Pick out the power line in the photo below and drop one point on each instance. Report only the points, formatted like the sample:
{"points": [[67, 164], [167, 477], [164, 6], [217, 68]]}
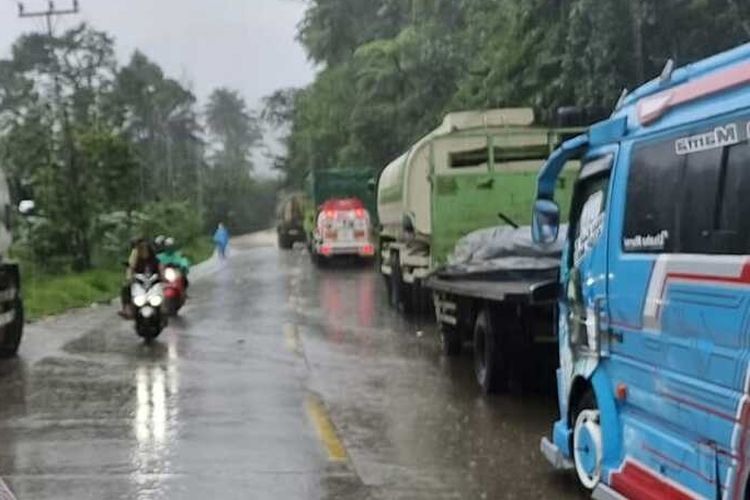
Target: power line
{"points": [[48, 14]]}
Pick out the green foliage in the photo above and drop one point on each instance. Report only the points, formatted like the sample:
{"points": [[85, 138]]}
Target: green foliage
{"points": [[110, 153], [45, 295], [391, 69], [241, 202], [177, 219]]}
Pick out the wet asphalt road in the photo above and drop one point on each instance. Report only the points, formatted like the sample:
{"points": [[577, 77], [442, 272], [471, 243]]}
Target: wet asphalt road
{"points": [[278, 381]]}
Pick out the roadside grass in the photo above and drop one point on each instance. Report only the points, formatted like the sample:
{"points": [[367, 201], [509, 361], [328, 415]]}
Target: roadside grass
{"points": [[49, 294], [45, 295]]}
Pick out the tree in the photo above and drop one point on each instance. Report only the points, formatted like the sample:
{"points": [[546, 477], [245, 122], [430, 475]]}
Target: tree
{"points": [[391, 69], [159, 116], [234, 133], [234, 130]]}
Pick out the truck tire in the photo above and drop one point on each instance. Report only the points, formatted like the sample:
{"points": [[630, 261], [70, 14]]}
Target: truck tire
{"points": [[13, 332], [490, 365], [450, 340], [400, 292], [394, 281], [285, 243]]}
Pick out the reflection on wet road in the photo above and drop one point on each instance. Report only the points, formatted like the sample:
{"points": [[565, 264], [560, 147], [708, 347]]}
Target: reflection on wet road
{"points": [[278, 381]]}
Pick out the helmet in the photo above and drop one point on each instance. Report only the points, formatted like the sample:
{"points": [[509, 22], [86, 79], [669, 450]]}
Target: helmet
{"points": [[168, 242]]}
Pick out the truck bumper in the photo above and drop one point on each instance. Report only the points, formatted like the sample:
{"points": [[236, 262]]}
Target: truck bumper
{"points": [[361, 249], [553, 455], [604, 492]]}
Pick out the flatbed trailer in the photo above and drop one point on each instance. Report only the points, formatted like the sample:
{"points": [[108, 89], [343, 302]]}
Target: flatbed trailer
{"points": [[510, 318]]}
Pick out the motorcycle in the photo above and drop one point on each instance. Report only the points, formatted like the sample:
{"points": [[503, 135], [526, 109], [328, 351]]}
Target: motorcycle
{"points": [[174, 290], [148, 297]]}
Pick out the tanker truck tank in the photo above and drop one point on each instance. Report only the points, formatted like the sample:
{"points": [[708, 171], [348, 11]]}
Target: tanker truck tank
{"points": [[456, 179]]}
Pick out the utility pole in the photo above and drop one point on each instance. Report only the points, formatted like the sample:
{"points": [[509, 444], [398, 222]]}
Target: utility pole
{"points": [[48, 14], [80, 237], [637, 9]]}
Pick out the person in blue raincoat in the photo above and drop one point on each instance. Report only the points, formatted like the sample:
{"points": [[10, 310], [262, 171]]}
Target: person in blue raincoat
{"points": [[221, 240]]}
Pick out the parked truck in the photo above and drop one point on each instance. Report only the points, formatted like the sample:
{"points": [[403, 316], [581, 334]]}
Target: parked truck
{"points": [[325, 184], [499, 293], [11, 305], [475, 170], [343, 230], [290, 219], [340, 213], [654, 331]]}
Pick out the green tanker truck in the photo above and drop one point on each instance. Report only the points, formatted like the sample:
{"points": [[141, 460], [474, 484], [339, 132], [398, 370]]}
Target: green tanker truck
{"points": [[477, 170]]}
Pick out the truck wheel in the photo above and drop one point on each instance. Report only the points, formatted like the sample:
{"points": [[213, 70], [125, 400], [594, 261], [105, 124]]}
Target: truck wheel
{"points": [[319, 261], [394, 282], [450, 340], [587, 441], [401, 294], [285, 243], [489, 364], [13, 333]]}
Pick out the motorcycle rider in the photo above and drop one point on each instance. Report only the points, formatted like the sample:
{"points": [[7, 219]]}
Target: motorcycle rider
{"points": [[170, 255], [142, 260]]}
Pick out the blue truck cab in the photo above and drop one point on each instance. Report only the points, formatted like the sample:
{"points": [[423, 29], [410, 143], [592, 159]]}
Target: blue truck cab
{"points": [[654, 310]]}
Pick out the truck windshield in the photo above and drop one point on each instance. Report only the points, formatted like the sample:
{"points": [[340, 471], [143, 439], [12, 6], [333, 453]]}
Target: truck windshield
{"points": [[664, 187]]}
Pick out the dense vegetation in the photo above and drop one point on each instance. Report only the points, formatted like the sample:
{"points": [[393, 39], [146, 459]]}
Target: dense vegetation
{"points": [[389, 69], [109, 152]]}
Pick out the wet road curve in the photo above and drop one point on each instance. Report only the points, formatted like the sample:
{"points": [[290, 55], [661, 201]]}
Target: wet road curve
{"points": [[278, 381]]}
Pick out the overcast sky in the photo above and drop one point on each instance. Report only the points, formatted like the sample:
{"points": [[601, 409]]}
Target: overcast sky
{"points": [[248, 45]]}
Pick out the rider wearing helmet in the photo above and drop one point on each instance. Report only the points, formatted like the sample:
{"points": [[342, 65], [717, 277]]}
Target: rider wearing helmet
{"points": [[159, 243], [171, 256]]}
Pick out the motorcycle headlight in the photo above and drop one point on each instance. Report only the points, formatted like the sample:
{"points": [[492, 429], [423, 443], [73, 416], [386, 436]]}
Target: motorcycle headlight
{"points": [[170, 274], [155, 300], [139, 300]]}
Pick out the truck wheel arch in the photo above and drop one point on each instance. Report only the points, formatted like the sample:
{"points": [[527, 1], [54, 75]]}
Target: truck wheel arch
{"points": [[600, 386], [580, 386]]}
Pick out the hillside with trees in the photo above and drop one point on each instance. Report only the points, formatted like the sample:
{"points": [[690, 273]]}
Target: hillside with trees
{"points": [[110, 152], [390, 69]]}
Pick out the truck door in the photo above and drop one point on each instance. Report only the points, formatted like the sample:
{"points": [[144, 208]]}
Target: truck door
{"points": [[680, 308], [585, 278]]}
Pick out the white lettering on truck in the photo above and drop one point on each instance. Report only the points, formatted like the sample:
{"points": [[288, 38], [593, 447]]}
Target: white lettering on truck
{"points": [[717, 138], [647, 242]]}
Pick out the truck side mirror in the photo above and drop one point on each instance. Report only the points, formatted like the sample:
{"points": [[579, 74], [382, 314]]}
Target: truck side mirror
{"points": [[545, 223], [26, 207]]}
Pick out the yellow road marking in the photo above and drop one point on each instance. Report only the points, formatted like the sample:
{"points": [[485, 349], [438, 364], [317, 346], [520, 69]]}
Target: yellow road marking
{"points": [[325, 429]]}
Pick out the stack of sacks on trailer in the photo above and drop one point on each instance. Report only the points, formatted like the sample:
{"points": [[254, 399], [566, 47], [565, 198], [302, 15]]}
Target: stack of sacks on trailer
{"points": [[503, 250]]}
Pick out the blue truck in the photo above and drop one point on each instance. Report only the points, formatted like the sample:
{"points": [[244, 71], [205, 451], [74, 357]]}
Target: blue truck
{"points": [[654, 308]]}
